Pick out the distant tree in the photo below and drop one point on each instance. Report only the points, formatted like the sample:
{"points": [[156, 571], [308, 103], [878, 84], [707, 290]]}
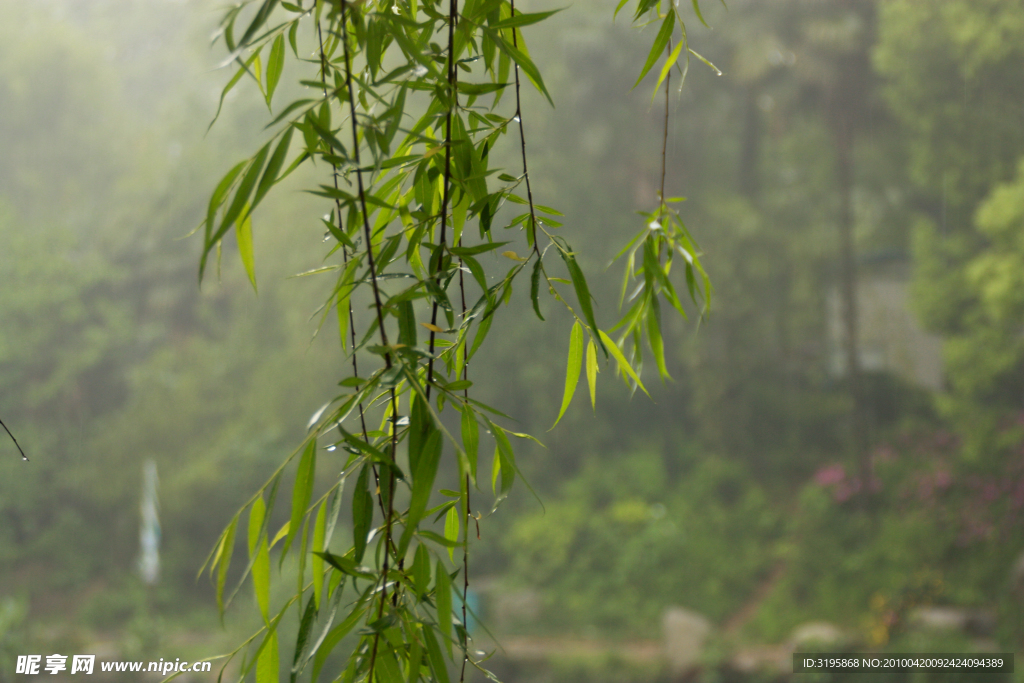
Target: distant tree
{"points": [[953, 79]]}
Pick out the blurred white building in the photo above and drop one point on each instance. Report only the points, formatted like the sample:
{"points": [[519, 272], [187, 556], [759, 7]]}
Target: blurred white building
{"points": [[891, 339]]}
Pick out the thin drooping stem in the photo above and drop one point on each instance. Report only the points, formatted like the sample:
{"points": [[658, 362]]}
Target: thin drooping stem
{"points": [[344, 249], [664, 140], [465, 576], [23, 456], [466, 513], [453, 99], [522, 143], [378, 306]]}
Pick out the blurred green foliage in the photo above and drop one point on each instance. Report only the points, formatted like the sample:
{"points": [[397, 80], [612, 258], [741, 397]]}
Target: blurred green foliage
{"points": [[623, 539]]}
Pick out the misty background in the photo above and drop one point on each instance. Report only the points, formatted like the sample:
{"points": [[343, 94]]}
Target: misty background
{"points": [[779, 493]]}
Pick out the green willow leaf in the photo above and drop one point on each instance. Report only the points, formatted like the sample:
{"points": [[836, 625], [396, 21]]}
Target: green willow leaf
{"points": [[222, 560], [270, 176], [451, 529], [257, 514], [667, 66], [443, 597], [421, 569], [302, 492], [506, 458], [592, 370], [261, 577], [243, 234], [422, 486], [334, 637], [362, 513], [572, 371], [387, 670], [579, 283], [696, 9], [268, 663], [524, 62], [522, 19], [660, 43], [470, 439], [275, 64], [437, 662], [654, 337], [317, 562], [238, 203], [219, 195], [535, 288], [302, 639], [624, 367]]}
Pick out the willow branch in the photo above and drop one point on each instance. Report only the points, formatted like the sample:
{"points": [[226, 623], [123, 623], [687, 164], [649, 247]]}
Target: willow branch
{"points": [[453, 98], [522, 143], [23, 456], [378, 306], [664, 140], [344, 249]]}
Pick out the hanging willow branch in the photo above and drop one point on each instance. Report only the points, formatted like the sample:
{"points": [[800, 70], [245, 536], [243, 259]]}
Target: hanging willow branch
{"points": [[405, 193]]}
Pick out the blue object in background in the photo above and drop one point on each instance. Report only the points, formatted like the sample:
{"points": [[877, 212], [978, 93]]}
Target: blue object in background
{"points": [[472, 608]]}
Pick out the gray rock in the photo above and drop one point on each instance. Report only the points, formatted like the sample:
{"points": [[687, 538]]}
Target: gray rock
{"points": [[816, 633], [684, 633], [978, 622]]}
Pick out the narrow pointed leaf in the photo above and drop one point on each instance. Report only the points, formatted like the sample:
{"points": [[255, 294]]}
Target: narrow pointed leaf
{"points": [[443, 598], [362, 513], [667, 66], [275, 64], [261, 577], [572, 371], [470, 440], [243, 233], [535, 288], [302, 492], [451, 529], [592, 370], [422, 486], [268, 662], [579, 283], [317, 563], [624, 365], [660, 42], [227, 547], [277, 159]]}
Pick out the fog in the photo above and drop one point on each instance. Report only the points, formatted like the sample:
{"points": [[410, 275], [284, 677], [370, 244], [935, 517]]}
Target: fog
{"points": [[836, 463]]}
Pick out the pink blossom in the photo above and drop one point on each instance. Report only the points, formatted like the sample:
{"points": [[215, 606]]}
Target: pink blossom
{"points": [[829, 475]]}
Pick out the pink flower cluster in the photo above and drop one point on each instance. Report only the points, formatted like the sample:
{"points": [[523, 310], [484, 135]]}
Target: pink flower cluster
{"points": [[843, 487]]}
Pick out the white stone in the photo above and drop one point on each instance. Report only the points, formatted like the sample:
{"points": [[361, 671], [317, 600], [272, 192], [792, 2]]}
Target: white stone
{"points": [[684, 633]]}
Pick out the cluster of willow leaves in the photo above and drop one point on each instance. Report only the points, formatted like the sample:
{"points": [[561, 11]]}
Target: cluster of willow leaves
{"points": [[403, 129]]}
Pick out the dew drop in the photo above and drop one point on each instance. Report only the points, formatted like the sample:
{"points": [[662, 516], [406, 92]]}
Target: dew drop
{"points": [[331, 448], [25, 458], [516, 119], [402, 421], [327, 236]]}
